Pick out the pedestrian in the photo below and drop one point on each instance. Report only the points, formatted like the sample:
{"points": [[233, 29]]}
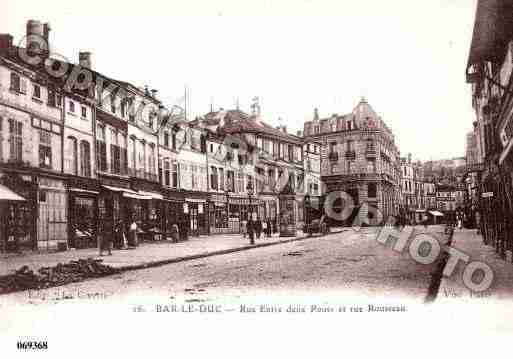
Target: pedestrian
{"points": [[118, 235], [251, 229], [258, 228], [175, 233], [269, 227], [264, 228], [478, 222], [244, 227], [133, 234], [458, 218], [106, 240]]}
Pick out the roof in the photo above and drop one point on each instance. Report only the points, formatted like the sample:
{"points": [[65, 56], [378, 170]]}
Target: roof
{"points": [[493, 28], [236, 121], [13, 54]]}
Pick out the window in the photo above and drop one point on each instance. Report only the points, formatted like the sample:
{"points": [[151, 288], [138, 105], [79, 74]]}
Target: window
{"points": [[133, 154], [230, 181], [71, 106], [101, 149], [151, 159], [167, 173], [15, 82], [37, 92], [173, 140], [350, 146], [115, 154], [166, 139], [54, 99], [85, 158], [123, 107], [332, 147], [15, 140], [84, 112], [112, 102], [123, 154], [194, 176], [221, 179], [211, 148], [72, 153], [213, 177], [240, 183], [174, 174], [372, 190], [45, 149]]}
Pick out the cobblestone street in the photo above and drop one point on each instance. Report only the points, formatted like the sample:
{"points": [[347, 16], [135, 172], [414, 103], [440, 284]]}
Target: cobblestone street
{"points": [[348, 263]]}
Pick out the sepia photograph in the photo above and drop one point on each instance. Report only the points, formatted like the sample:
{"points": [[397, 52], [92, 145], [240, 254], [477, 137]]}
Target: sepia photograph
{"points": [[256, 178]]}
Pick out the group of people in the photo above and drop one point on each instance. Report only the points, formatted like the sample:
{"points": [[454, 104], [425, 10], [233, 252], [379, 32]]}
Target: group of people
{"points": [[257, 227], [118, 238]]}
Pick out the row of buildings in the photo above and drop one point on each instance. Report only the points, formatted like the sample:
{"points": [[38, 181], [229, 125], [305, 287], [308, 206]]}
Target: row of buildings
{"points": [[490, 162], [88, 152]]}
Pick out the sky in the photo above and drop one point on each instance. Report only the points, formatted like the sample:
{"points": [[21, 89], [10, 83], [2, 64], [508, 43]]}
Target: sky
{"points": [[407, 58]]}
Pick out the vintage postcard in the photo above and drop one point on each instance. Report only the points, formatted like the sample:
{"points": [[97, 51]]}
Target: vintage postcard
{"points": [[255, 178]]}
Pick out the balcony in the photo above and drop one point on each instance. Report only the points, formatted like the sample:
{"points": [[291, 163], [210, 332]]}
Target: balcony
{"points": [[333, 156], [351, 155]]}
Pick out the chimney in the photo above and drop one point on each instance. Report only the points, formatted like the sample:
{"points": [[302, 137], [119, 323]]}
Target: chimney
{"points": [[84, 59], [35, 36], [316, 114], [46, 34], [284, 128], [154, 93], [5, 41], [299, 133], [409, 157]]}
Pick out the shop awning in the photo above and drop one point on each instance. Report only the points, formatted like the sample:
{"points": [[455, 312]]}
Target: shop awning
{"points": [[153, 195], [83, 190], [135, 196], [119, 189], [195, 200], [436, 213], [127, 192], [7, 195], [420, 210]]}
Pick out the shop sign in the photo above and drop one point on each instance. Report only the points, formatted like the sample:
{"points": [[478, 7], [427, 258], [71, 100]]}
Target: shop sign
{"points": [[185, 208], [487, 194], [200, 208]]}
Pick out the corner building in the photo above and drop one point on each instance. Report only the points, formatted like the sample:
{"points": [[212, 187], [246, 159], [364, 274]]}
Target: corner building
{"points": [[359, 156]]}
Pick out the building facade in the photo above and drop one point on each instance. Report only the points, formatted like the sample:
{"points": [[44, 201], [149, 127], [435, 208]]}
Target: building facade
{"points": [[359, 157]]}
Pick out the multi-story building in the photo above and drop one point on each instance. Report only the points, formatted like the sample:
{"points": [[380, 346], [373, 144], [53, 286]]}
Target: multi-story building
{"points": [[359, 156], [258, 159], [84, 157], [489, 69]]}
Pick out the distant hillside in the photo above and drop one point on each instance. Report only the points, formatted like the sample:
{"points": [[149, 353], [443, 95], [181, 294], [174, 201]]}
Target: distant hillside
{"points": [[448, 169]]}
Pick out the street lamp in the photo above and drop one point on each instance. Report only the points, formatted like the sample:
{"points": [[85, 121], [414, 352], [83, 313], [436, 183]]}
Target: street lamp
{"points": [[251, 232]]}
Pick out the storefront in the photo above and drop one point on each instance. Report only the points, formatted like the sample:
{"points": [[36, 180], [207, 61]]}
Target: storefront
{"points": [[83, 214], [195, 211], [218, 207], [288, 215], [14, 220], [172, 211]]}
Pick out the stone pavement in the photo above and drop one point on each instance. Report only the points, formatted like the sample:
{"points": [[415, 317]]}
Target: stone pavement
{"points": [[147, 254], [453, 288]]}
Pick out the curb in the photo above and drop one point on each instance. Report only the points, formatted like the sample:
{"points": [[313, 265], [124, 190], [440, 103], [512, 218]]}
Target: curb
{"points": [[213, 253]]}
